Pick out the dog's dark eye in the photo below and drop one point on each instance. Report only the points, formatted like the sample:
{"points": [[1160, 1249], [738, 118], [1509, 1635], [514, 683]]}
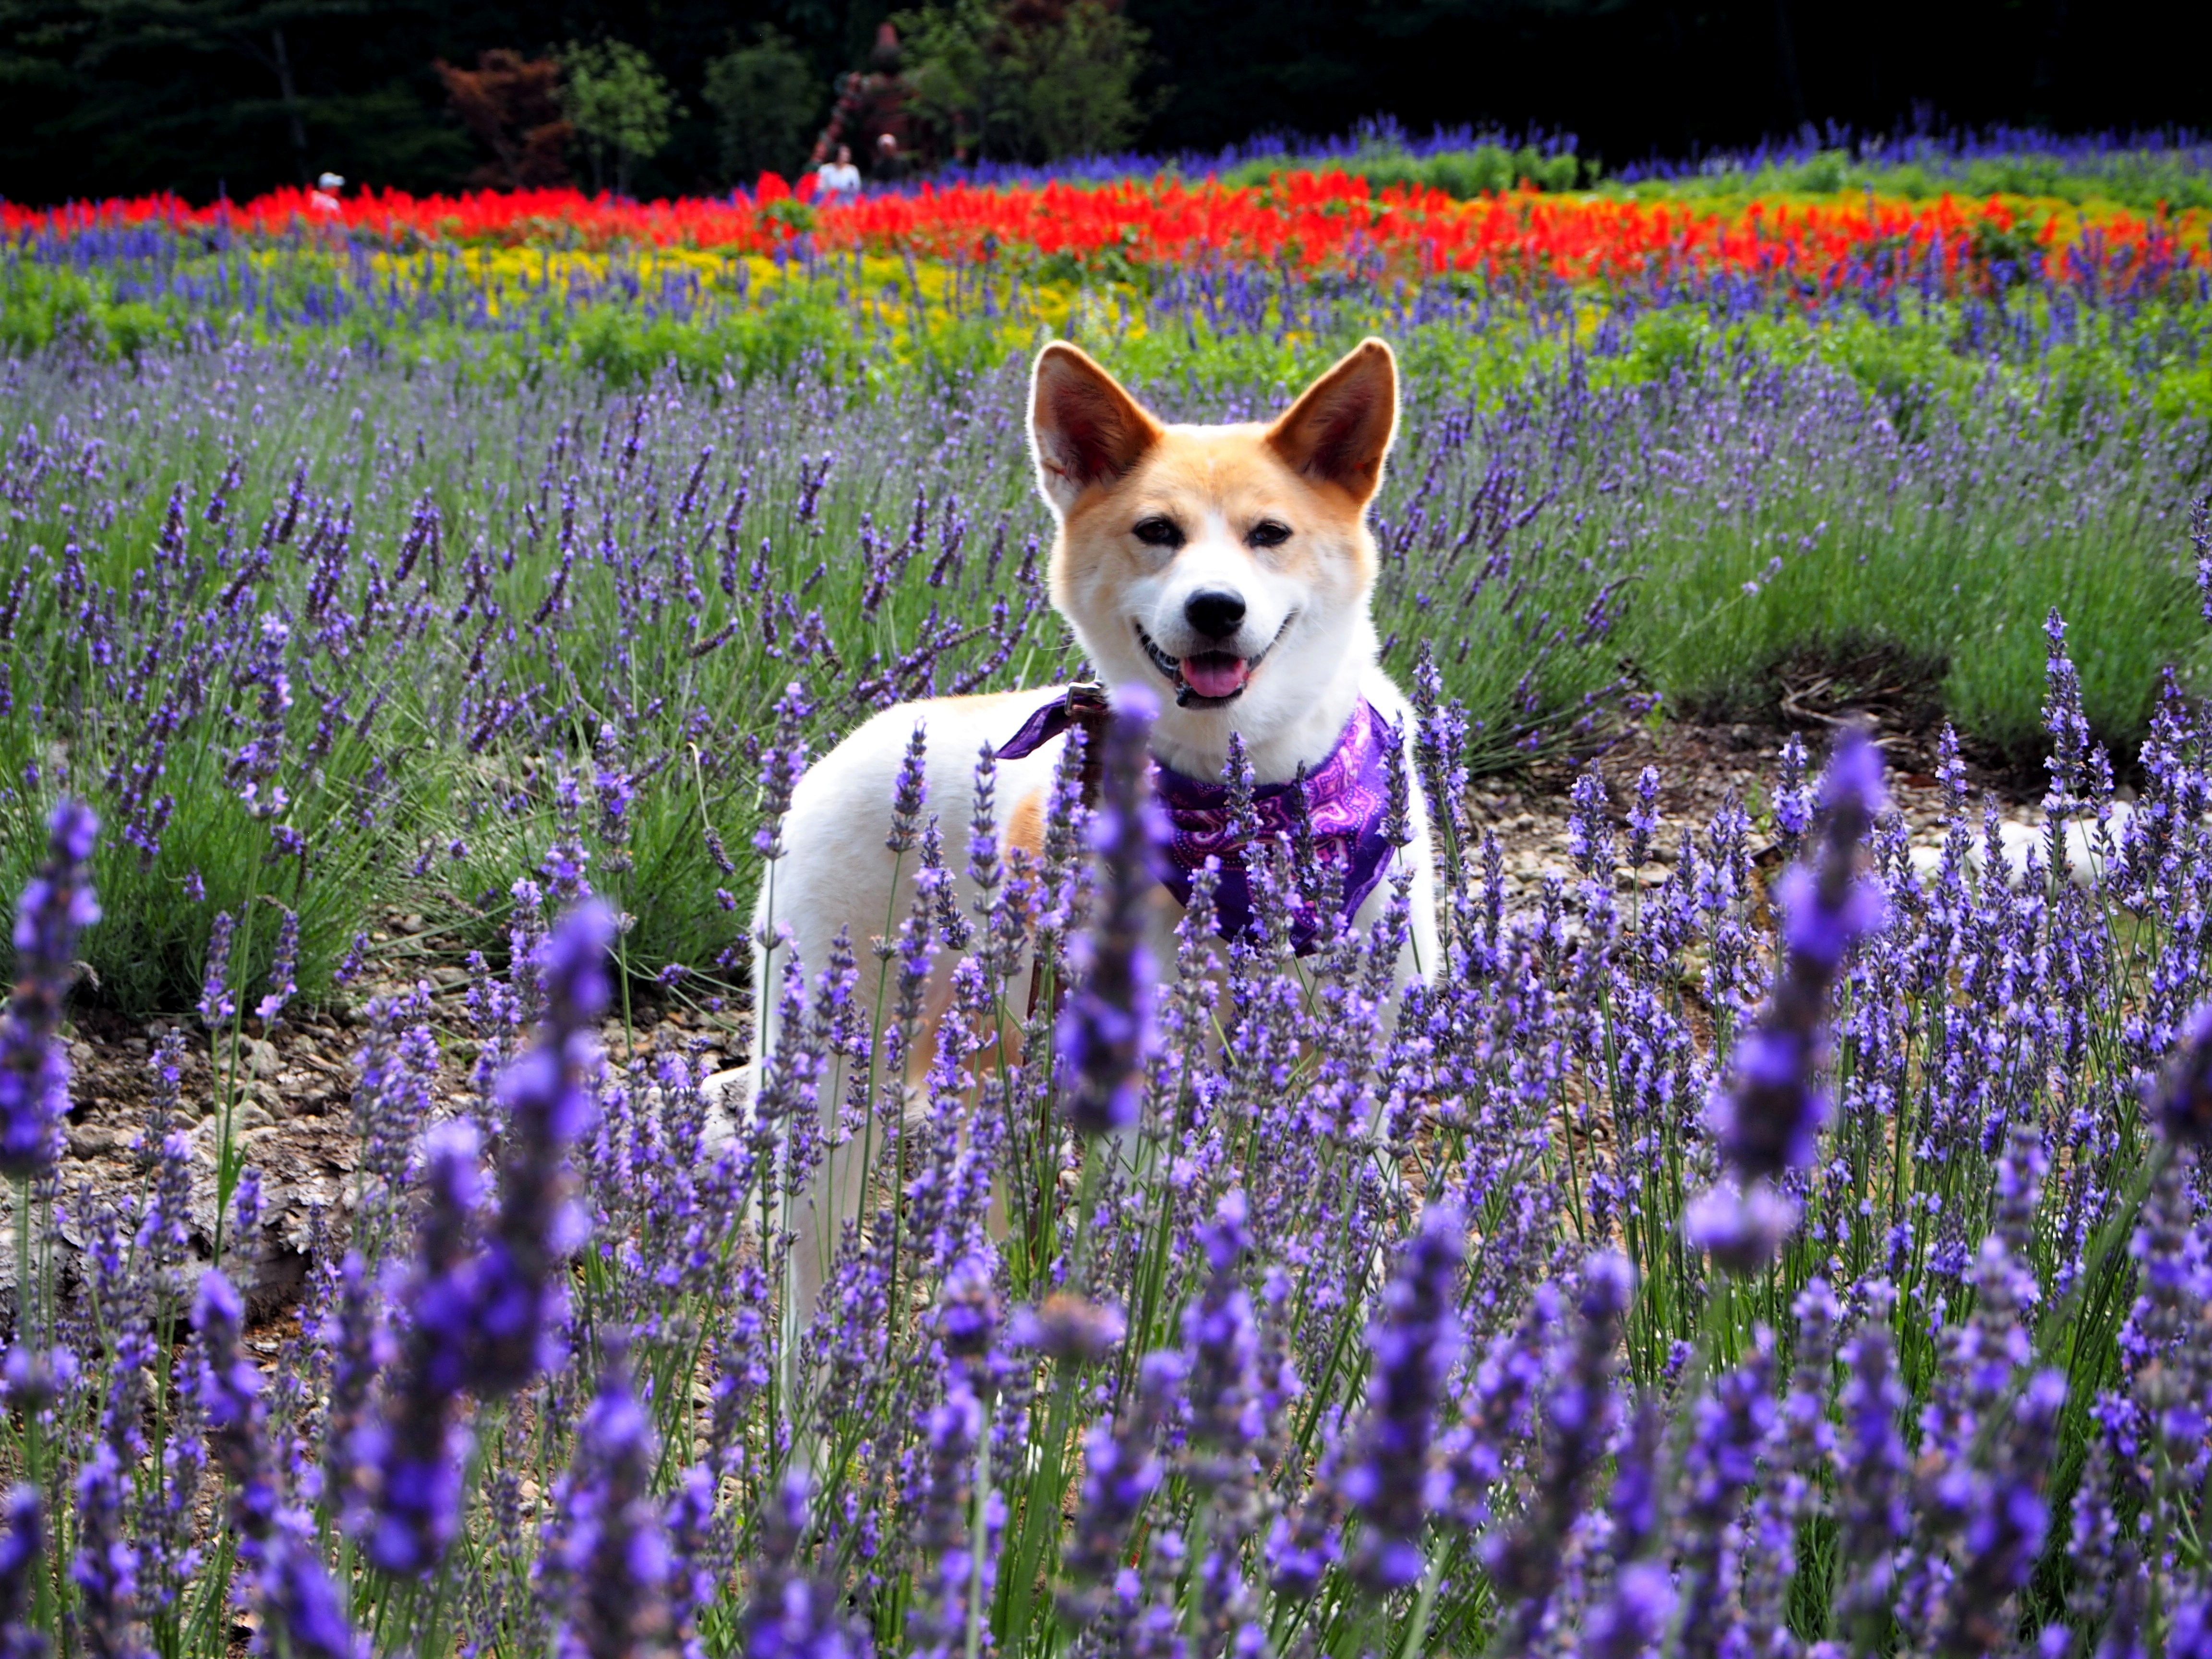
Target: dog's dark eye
{"points": [[1268, 533], [1159, 532]]}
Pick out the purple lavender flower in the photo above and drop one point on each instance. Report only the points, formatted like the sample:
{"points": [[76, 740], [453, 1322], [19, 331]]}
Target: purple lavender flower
{"points": [[34, 1074], [781, 764], [615, 1555], [1121, 1471], [218, 1005], [411, 1453], [305, 1617], [1389, 1484], [1106, 1032], [2005, 1530], [1629, 1621], [1728, 1426], [352, 1335], [1579, 1414], [282, 989], [105, 1570], [518, 1293], [1068, 1326], [1768, 1121], [22, 1557], [230, 1393], [790, 1616], [2182, 1106]]}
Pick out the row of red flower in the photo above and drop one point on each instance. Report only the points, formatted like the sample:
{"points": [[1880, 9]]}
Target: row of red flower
{"points": [[1327, 220]]}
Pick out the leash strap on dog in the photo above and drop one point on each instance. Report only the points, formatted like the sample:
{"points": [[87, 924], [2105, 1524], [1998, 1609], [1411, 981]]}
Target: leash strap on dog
{"points": [[1085, 704]]}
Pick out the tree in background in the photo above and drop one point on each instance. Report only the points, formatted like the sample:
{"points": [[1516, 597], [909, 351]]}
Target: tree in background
{"points": [[512, 105], [871, 103], [618, 104], [1023, 80], [767, 101]]}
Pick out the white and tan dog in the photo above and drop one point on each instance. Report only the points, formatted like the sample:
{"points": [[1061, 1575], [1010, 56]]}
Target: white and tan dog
{"points": [[1227, 568]]}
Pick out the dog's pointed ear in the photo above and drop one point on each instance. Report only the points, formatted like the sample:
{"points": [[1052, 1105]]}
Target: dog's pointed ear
{"points": [[1339, 429], [1085, 430]]}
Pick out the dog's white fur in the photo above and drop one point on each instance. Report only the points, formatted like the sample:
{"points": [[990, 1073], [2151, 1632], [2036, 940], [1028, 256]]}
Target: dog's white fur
{"points": [[1105, 466]]}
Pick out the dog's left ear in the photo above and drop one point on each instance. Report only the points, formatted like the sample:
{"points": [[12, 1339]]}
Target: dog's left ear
{"points": [[1340, 428]]}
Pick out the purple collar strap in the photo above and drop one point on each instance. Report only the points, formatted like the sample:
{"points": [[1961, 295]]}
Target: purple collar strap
{"points": [[1346, 798]]}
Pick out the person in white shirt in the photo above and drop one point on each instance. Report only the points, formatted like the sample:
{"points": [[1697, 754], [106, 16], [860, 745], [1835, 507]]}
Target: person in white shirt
{"points": [[324, 199], [840, 177]]}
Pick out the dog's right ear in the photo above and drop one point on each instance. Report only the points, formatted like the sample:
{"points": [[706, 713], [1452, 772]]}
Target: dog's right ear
{"points": [[1085, 430]]}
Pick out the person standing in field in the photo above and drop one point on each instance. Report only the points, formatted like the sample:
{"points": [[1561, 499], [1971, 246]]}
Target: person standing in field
{"points": [[839, 179], [323, 200]]}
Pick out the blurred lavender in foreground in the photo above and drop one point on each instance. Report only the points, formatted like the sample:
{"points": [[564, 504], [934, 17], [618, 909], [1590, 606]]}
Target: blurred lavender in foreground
{"points": [[35, 1072], [520, 1296], [1106, 1031]]}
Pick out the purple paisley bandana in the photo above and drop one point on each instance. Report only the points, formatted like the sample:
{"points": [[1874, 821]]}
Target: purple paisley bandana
{"points": [[1346, 797]]}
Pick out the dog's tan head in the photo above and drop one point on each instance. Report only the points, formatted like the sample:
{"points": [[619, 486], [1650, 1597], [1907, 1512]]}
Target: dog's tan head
{"points": [[1227, 566]]}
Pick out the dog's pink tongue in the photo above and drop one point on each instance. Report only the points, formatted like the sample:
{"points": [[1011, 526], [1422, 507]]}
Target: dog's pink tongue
{"points": [[1215, 674]]}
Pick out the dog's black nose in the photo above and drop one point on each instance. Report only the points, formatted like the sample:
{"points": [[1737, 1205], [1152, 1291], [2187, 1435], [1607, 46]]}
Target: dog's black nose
{"points": [[1215, 612]]}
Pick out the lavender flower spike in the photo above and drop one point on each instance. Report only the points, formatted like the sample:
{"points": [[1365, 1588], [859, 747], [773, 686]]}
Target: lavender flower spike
{"points": [[230, 1391], [22, 1556], [1415, 1344], [518, 1293], [617, 1553], [35, 1075], [1768, 1121], [2182, 1107], [410, 1453], [299, 1606], [1106, 1031]]}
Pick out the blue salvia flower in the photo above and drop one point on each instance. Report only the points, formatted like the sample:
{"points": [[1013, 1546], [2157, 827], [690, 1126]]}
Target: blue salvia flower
{"points": [[1768, 1121], [34, 1078], [1106, 1032], [520, 1295], [22, 1557], [1389, 1484]]}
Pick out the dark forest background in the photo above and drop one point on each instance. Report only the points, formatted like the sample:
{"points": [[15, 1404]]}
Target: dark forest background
{"points": [[106, 96]]}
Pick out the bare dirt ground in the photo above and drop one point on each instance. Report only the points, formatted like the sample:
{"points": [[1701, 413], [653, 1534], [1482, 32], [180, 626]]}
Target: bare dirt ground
{"points": [[293, 1116]]}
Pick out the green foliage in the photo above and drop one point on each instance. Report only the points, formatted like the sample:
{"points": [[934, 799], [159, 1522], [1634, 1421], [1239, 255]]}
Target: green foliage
{"points": [[2145, 179], [768, 101], [619, 104], [995, 80], [1461, 174]]}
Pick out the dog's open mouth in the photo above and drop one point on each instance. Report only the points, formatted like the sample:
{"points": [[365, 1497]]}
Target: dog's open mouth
{"points": [[1206, 679]]}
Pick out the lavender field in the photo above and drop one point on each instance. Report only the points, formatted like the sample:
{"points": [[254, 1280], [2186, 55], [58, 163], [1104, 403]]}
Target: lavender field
{"points": [[1766, 1242]]}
